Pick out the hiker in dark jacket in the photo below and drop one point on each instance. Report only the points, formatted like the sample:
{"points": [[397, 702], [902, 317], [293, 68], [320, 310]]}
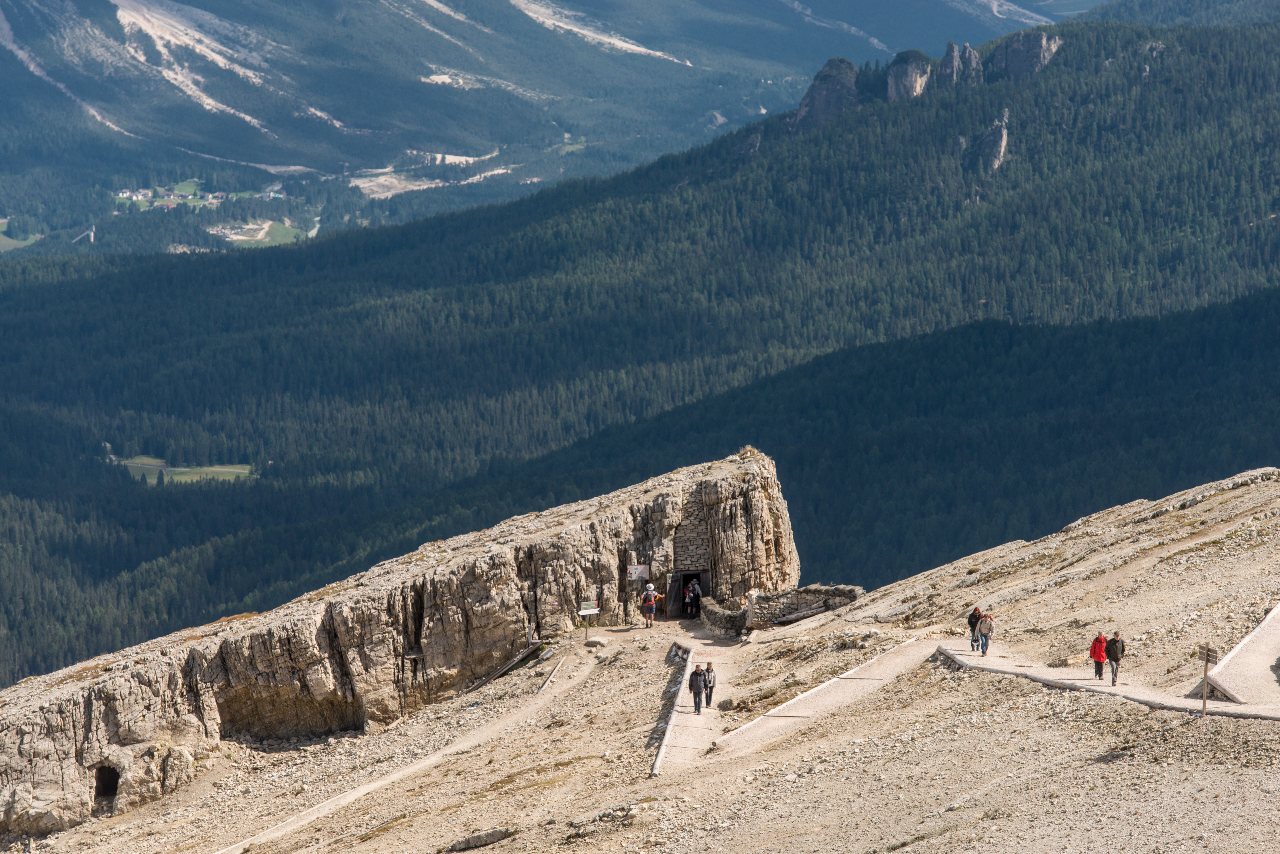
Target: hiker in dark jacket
{"points": [[695, 598], [1098, 654], [974, 616], [709, 682], [1115, 652], [697, 684]]}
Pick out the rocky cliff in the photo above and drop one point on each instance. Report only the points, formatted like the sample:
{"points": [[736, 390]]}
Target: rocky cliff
{"points": [[126, 728], [1024, 54], [833, 93], [990, 149], [959, 66], [835, 89], [908, 75]]}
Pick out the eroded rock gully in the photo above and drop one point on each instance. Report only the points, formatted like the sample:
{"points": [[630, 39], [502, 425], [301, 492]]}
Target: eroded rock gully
{"points": [[126, 728]]}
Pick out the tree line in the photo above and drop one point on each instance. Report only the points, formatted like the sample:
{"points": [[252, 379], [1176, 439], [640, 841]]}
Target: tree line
{"points": [[401, 383]]}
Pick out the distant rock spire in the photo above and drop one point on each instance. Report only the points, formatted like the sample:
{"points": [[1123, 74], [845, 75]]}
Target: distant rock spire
{"points": [[1024, 54], [990, 149], [833, 93], [959, 66], [909, 75]]}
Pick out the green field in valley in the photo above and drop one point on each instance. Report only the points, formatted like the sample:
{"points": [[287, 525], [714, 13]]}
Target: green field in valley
{"points": [[278, 234], [7, 244], [148, 469]]}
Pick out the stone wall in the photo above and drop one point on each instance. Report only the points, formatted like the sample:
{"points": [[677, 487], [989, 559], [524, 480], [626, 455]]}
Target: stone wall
{"points": [[375, 646], [767, 606], [726, 623]]}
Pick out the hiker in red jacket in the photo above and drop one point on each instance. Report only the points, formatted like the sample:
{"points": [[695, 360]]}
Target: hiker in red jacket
{"points": [[1098, 652]]}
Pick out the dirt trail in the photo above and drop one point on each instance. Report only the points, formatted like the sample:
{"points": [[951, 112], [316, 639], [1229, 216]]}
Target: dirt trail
{"points": [[690, 735], [1247, 674], [828, 697], [1071, 679], [465, 743]]}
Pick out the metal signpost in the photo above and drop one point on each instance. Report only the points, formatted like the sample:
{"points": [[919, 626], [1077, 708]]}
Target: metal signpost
{"points": [[1209, 655], [586, 608]]}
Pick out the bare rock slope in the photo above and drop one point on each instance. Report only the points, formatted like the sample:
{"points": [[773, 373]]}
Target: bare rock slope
{"points": [[126, 728]]}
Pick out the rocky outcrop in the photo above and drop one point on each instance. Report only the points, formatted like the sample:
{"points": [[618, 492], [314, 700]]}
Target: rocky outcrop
{"points": [[908, 75], [764, 608], [959, 66], [833, 93], [1024, 54], [989, 151], [126, 728]]}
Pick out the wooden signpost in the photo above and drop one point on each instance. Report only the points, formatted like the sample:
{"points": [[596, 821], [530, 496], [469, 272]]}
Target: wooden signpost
{"points": [[1208, 655], [586, 608]]}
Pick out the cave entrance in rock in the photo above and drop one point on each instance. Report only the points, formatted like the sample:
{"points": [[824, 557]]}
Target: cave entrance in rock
{"points": [[675, 594], [106, 783]]}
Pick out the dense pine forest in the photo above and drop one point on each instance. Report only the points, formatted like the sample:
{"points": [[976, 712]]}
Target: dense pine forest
{"points": [[398, 384]]}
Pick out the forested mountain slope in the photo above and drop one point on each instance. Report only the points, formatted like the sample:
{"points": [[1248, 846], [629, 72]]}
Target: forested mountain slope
{"points": [[363, 375], [401, 95], [894, 458], [1215, 13]]}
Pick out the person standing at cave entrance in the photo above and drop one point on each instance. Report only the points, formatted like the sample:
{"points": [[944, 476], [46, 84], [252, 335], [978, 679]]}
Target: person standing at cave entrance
{"points": [[697, 686], [648, 605], [974, 616], [1098, 654], [695, 598], [986, 628], [1115, 652], [688, 599], [709, 682]]}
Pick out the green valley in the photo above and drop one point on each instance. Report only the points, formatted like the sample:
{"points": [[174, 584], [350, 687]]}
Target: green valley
{"points": [[919, 337]]}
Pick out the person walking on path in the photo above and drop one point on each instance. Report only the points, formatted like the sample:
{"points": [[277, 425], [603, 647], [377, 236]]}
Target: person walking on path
{"points": [[648, 605], [986, 628], [1098, 654], [974, 616], [709, 682], [1115, 652], [698, 685]]}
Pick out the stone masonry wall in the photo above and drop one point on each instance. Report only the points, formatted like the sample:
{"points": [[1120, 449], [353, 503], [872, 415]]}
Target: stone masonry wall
{"points": [[375, 646], [723, 622], [765, 607]]}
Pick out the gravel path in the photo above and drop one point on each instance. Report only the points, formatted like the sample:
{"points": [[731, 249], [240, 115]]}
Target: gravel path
{"points": [[833, 695], [690, 735], [1073, 680], [1248, 673]]}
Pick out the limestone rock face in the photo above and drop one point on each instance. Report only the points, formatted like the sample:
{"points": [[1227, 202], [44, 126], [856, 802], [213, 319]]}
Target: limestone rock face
{"points": [[909, 75], [959, 67], [833, 93], [1024, 54], [991, 148], [123, 729]]}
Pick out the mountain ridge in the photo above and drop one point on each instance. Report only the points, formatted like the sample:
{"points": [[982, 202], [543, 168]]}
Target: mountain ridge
{"points": [[361, 377], [453, 98]]}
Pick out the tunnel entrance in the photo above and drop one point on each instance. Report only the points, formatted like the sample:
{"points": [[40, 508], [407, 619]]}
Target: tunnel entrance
{"points": [[106, 783], [675, 595]]}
